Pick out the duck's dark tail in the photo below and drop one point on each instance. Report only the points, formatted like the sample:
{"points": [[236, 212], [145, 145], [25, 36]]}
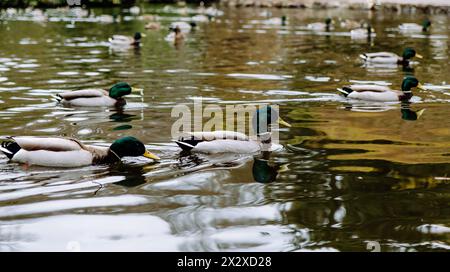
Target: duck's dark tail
{"points": [[345, 91], [187, 144], [57, 97], [9, 148]]}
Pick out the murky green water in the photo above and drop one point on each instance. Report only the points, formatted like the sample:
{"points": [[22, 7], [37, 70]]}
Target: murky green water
{"points": [[350, 172]]}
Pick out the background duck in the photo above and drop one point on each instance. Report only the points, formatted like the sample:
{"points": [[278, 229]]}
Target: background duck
{"points": [[382, 93], [231, 141], [122, 40], [413, 27], [97, 97], [68, 152], [326, 26], [391, 58], [175, 36], [364, 32]]}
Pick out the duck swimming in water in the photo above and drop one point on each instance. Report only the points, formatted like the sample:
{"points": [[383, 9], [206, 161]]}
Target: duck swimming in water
{"points": [[391, 58], [234, 142], [68, 152], [122, 40], [97, 97], [382, 93]]}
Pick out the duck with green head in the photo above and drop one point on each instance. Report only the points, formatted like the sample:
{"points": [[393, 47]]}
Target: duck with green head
{"points": [[68, 152], [97, 97], [391, 58], [235, 142], [122, 40], [413, 27], [382, 93], [365, 31]]}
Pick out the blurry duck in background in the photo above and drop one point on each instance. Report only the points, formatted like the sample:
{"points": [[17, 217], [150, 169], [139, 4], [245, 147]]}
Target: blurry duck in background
{"points": [[68, 152], [122, 40], [326, 26], [412, 27], [363, 32], [391, 58], [235, 142], [153, 25], [276, 21], [382, 93], [97, 97], [350, 24]]}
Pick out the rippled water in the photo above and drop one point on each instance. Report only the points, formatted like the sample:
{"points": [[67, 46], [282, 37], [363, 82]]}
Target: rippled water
{"points": [[350, 172]]}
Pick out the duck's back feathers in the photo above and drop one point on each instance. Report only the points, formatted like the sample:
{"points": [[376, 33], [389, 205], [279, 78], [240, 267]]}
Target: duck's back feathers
{"points": [[380, 57], [83, 94], [56, 144], [370, 93], [218, 142]]}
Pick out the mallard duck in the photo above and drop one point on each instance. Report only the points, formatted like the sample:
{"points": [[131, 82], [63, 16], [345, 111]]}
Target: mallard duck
{"points": [[363, 32], [412, 27], [68, 152], [391, 58], [231, 141], [97, 97], [276, 21], [122, 40], [382, 93], [326, 26]]}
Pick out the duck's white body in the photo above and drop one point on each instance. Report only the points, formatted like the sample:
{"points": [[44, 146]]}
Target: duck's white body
{"points": [[121, 40], [88, 98], [318, 27], [410, 27], [200, 18], [183, 26], [372, 93], [274, 21], [361, 33], [222, 142], [54, 152], [381, 57]]}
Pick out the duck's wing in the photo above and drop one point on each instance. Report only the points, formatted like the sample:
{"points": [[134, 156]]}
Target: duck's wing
{"points": [[56, 144], [192, 139], [82, 94], [368, 87], [379, 56]]}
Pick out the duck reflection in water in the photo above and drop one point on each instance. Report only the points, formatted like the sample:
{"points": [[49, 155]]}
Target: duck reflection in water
{"points": [[121, 117], [408, 114], [265, 171]]}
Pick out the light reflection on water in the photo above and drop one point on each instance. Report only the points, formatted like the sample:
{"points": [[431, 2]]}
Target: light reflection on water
{"points": [[350, 172]]}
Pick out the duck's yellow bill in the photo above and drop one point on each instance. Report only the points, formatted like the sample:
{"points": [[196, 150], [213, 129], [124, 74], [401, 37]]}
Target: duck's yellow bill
{"points": [[421, 87], [282, 122], [150, 155], [419, 56], [419, 113]]}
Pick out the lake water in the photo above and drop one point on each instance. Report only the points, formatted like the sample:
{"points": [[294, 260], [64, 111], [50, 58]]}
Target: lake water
{"points": [[350, 173]]}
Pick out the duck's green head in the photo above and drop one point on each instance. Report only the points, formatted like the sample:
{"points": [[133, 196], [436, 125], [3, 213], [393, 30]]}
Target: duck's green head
{"points": [[137, 36], [410, 53], [283, 19], [130, 147], [410, 115], [264, 117], [120, 89], [328, 21], [411, 82], [426, 24]]}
